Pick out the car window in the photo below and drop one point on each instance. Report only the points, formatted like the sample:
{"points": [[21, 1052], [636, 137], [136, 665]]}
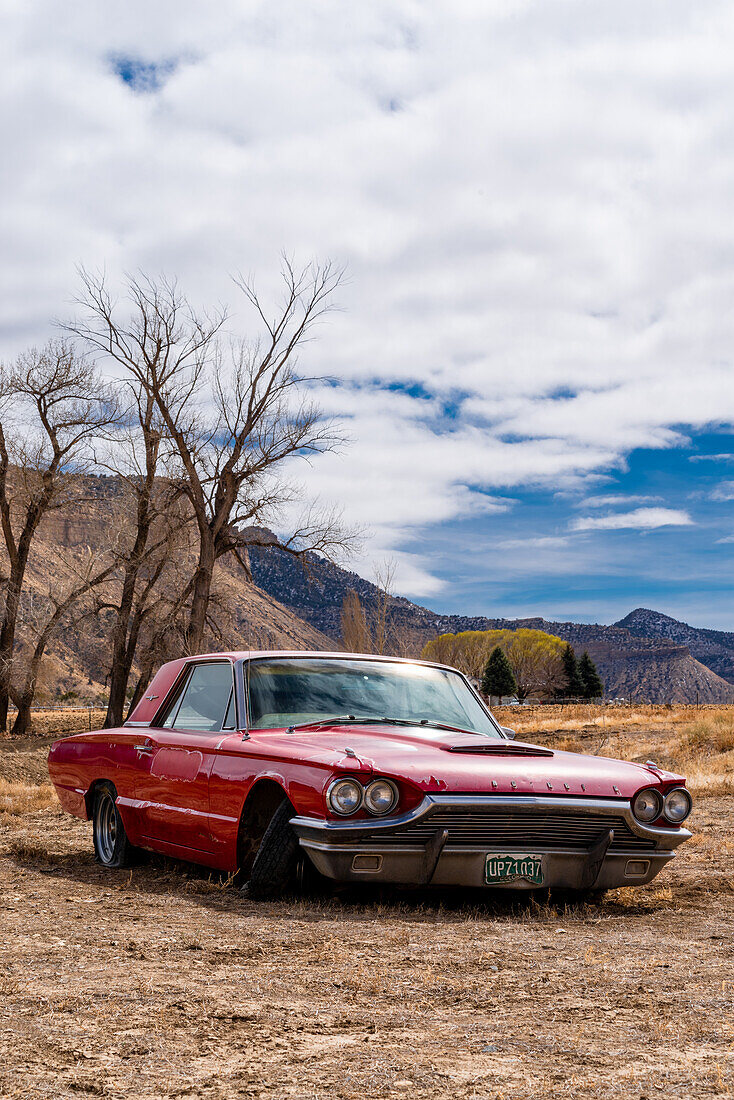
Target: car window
{"points": [[289, 690], [204, 699], [230, 718]]}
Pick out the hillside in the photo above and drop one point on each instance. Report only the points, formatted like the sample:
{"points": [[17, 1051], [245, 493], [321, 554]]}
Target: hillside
{"points": [[244, 616], [645, 656], [633, 664], [714, 648]]}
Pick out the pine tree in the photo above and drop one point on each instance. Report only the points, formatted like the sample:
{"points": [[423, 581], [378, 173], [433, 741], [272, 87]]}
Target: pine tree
{"points": [[574, 686], [593, 686], [498, 678]]}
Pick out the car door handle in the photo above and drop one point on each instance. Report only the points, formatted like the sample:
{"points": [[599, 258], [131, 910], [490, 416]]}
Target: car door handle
{"points": [[148, 747]]}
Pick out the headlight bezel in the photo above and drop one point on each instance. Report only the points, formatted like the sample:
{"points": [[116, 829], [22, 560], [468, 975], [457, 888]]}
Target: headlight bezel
{"points": [[395, 792], [658, 800], [677, 791], [339, 781]]}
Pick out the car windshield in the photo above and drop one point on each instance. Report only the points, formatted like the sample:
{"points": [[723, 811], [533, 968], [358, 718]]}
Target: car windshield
{"points": [[290, 691]]}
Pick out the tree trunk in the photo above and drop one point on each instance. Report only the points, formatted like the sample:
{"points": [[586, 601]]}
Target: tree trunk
{"points": [[119, 679], [200, 597], [143, 680], [22, 723], [122, 656], [7, 642], [7, 631]]}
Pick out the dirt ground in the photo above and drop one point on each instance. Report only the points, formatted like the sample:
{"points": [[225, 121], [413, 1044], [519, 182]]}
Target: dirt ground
{"points": [[165, 982]]}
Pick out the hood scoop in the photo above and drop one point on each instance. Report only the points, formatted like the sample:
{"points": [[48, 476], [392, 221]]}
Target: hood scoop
{"points": [[499, 748]]}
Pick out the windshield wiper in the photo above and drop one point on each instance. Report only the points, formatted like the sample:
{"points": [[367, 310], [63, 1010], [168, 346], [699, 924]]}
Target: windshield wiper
{"points": [[350, 719], [445, 726], [320, 722], [371, 719]]}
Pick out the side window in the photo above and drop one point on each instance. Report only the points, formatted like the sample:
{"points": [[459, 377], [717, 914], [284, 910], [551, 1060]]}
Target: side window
{"points": [[204, 700], [230, 718]]}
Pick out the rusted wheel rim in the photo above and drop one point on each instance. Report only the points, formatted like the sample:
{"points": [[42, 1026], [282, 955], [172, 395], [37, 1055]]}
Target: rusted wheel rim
{"points": [[106, 828]]}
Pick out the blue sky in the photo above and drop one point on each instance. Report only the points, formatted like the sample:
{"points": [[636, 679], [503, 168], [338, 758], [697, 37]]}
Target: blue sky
{"points": [[531, 560], [533, 202]]}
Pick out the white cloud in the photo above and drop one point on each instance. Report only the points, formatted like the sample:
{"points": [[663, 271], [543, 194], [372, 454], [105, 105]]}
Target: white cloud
{"points": [[724, 491], [614, 499], [543, 542], [535, 209], [638, 518]]}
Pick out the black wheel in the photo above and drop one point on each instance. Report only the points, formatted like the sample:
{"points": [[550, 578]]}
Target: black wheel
{"points": [[111, 846], [275, 867]]}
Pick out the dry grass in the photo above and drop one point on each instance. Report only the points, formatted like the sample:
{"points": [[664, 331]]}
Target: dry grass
{"points": [[585, 716], [63, 722], [163, 981], [25, 798], [161, 984], [696, 742]]}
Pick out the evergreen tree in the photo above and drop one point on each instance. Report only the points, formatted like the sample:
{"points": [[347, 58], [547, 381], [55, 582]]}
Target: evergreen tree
{"points": [[498, 678], [592, 682], [574, 686]]}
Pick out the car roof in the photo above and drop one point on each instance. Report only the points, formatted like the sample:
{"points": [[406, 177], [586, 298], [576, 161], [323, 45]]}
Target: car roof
{"points": [[169, 673], [252, 654]]}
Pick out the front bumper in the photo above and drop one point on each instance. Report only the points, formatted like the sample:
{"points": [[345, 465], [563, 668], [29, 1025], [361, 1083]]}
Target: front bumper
{"points": [[436, 844]]}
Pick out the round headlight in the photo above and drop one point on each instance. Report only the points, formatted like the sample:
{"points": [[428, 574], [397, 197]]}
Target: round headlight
{"points": [[677, 806], [647, 806], [381, 796], [345, 796]]}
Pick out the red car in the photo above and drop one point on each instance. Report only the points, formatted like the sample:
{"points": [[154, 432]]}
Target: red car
{"points": [[371, 768]]}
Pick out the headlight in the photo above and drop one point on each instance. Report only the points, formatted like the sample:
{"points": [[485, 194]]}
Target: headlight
{"points": [[647, 806], [381, 796], [677, 806], [345, 796]]}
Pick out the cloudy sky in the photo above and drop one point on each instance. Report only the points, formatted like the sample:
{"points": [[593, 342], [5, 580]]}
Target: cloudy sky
{"points": [[535, 204]]}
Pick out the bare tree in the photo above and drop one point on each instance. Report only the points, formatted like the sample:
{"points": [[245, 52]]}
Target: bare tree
{"points": [[151, 542], [384, 576], [91, 572], [236, 413], [51, 404], [373, 629], [356, 634]]}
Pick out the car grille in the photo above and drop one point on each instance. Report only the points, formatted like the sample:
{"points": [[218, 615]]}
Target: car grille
{"points": [[542, 829]]}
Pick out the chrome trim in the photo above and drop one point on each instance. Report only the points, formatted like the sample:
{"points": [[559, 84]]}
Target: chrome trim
{"points": [[660, 801], [330, 788], [687, 793], [394, 789], [346, 831]]}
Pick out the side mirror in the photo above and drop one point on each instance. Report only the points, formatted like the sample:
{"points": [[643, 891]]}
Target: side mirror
{"points": [[509, 734]]}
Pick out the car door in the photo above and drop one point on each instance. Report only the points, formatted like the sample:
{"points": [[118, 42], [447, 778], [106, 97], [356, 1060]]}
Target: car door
{"points": [[176, 757]]}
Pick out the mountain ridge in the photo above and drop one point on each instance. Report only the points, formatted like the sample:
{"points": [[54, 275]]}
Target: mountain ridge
{"points": [[643, 666]]}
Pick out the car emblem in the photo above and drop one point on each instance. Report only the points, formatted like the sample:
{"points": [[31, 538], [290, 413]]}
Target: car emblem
{"points": [[494, 782], [567, 786], [513, 784], [615, 789], [549, 786]]}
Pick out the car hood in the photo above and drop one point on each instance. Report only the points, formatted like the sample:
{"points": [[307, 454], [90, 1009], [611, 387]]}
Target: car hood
{"points": [[437, 760]]}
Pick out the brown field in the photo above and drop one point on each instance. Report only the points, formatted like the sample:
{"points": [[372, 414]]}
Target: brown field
{"points": [[166, 982]]}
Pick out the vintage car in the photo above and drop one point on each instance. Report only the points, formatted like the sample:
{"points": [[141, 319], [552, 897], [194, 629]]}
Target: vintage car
{"points": [[368, 769]]}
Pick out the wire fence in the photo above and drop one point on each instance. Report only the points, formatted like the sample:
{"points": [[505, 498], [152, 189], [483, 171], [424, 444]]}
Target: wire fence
{"points": [[62, 717]]}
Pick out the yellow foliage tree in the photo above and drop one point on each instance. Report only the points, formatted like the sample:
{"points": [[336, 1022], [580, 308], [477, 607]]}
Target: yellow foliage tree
{"points": [[536, 658]]}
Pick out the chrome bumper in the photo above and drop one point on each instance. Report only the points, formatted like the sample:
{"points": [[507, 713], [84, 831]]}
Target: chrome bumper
{"points": [[382, 850]]}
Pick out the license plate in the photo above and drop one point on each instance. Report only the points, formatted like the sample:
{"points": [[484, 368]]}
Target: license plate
{"points": [[510, 868]]}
